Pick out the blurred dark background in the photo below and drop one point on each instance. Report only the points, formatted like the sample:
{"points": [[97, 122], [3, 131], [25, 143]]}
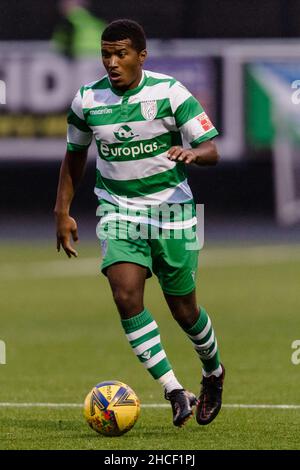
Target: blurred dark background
{"points": [[232, 189], [34, 19]]}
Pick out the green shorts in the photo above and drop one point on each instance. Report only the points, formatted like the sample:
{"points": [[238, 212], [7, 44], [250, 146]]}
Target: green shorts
{"points": [[172, 255]]}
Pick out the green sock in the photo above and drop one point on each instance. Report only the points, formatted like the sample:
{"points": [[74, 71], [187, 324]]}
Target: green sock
{"points": [[205, 343], [143, 335]]}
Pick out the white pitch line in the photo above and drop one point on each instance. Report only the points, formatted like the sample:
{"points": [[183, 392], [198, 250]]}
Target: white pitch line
{"points": [[149, 405], [40, 405], [263, 407], [50, 269], [212, 257]]}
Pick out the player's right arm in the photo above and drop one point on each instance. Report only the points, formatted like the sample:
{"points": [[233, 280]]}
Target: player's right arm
{"points": [[71, 173]]}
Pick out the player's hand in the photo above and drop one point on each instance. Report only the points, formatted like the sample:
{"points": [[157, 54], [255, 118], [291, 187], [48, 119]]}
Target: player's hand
{"points": [[66, 227], [182, 155]]}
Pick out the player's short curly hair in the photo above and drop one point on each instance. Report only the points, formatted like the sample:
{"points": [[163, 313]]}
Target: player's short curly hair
{"points": [[126, 29]]}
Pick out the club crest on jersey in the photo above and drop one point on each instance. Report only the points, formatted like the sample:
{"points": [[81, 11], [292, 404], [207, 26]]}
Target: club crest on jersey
{"points": [[149, 109]]}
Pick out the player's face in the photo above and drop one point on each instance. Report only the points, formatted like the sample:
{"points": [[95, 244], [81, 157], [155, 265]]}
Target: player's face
{"points": [[122, 63]]}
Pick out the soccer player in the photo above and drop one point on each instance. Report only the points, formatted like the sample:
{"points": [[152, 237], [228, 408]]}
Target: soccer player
{"points": [[139, 120]]}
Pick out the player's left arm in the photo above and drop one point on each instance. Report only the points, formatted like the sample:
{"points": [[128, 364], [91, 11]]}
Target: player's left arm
{"points": [[205, 153], [195, 126]]}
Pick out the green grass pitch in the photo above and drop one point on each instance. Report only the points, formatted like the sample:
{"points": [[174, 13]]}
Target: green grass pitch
{"points": [[63, 335]]}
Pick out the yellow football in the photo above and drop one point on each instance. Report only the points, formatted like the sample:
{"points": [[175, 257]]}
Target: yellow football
{"points": [[111, 408]]}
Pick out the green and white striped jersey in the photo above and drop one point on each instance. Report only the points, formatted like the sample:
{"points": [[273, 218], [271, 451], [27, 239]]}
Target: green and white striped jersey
{"points": [[133, 131]]}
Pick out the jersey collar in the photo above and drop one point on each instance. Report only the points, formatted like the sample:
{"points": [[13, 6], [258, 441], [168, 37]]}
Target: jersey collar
{"points": [[131, 92]]}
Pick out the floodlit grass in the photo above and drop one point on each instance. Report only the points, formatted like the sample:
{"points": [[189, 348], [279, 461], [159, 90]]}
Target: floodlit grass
{"points": [[63, 335]]}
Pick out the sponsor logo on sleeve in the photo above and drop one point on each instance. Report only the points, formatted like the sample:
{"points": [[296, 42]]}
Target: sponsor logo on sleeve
{"points": [[205, 122]]}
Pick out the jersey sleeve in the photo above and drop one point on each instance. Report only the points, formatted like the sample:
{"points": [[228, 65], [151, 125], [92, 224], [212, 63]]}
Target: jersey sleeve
{"points": [[190, 117], [79, 135]]}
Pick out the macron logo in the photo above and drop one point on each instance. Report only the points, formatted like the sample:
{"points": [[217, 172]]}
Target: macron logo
{"points": [[101, 111]]}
